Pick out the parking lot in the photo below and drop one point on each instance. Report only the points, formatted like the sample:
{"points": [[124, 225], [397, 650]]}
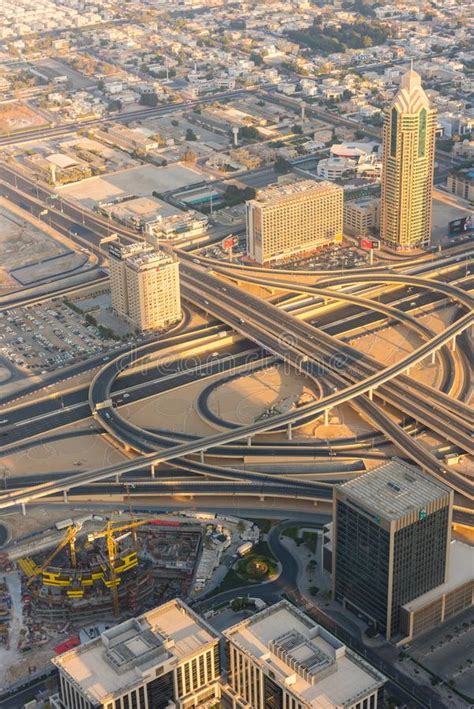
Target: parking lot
{"points": [[49, 336], [329, 258]]}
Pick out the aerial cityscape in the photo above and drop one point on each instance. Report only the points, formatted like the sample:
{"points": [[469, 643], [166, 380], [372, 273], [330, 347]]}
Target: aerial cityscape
{"points": [[236, 383]]}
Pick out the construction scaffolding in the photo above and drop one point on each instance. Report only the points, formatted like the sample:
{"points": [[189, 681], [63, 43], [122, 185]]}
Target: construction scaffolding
{"points": [[109, 570]]}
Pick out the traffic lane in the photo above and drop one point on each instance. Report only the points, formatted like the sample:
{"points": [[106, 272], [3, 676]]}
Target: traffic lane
{"points": [[270, 592], [57, 412]]}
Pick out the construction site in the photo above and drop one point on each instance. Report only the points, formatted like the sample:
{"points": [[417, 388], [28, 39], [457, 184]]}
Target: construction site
{"points": [[93, 570]]}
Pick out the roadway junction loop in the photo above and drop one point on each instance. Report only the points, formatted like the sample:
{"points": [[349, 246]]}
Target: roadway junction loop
{"points": [[358, 379]]}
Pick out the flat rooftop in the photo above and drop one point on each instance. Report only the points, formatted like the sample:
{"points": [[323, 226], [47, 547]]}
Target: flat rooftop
{"points": [[115, 661], [144, 207], [304, 657], [394, 490], [460, 571], [277, 193], [151, 259]]}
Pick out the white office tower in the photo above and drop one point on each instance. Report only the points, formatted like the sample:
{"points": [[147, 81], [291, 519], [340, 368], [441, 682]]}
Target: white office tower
{"points": [[167, 657], [293, 219], [282, 658], [144, 284]]}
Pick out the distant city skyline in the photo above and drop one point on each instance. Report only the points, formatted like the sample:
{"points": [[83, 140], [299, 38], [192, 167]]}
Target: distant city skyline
{"points": [[236, 440]]}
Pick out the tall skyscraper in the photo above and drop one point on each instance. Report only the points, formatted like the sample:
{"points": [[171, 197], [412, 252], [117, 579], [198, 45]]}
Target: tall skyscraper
{"points": [[286, 220], [408, 165], [144, 284], [391, 541]]}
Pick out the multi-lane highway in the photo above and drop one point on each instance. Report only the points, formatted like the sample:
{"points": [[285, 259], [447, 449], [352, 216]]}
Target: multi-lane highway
{"points": [[357, 378], [186, 449]]}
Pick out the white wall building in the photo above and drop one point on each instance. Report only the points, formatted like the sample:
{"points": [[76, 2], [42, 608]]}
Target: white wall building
{"points": [[167, 657], [282, 658]]}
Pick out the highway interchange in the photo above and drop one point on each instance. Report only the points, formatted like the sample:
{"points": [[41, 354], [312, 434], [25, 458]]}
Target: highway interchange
{"points": [[307, 324], [284, 328]]}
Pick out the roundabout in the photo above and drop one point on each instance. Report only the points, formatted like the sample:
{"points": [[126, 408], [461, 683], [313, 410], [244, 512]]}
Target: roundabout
{"points": [[257, 568]]}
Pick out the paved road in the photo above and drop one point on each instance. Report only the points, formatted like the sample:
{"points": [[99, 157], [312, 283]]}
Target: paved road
{"points": [[403, 688]]}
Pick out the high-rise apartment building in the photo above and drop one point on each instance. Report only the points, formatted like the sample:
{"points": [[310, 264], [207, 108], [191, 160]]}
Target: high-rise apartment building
{"points": [[167, 657], [282, 659], [144, 285], [408, 165], [294, 218], [391, 533]]}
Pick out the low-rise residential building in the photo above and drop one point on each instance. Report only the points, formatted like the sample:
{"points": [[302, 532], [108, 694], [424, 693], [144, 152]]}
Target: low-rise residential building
{"points": [[361, 216], [461, 183], [335, 168], [130, 139]]}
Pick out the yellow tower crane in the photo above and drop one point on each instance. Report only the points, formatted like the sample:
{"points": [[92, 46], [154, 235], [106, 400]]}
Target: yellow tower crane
{"points": [[69, 538], [111, 541]]}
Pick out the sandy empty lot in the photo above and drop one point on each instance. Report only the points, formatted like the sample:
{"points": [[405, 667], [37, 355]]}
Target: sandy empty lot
{"points": [[22, 243], [17, 116], [139, 181]]}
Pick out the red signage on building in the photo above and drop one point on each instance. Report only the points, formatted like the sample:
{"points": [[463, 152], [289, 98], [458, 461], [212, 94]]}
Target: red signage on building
{"points": [[229, 242], [370, 244]]}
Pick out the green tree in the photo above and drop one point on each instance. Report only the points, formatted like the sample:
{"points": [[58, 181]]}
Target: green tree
{"points": [[281, 165], [256, 59], [248, 133], [148, 99]]}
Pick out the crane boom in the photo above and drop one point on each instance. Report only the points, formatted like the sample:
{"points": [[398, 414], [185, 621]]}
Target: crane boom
{"points": [[69, 538]]}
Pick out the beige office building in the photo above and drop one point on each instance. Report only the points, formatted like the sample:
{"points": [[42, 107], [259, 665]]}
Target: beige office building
{"points": [[282, 658], [292, 219], [144, 285], [408, 165], [461, 183], [361, 216], [167, 657]]}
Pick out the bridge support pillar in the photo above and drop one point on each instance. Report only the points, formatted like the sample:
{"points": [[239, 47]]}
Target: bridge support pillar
{"points": [[201, 455], [117, 479], [453, 345], [433, 357], [407, 371], [315, 503], [290, 432], [23, 509], [326, 417], [371, 394], [65, 496], [262, 499], [153, 470], [249, 441]]}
